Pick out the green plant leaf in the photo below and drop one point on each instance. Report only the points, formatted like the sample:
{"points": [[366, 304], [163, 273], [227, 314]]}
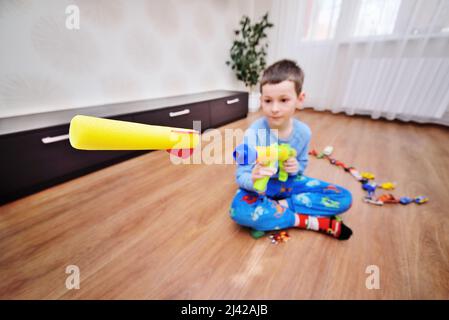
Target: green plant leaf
{"points": [[247, 53]]}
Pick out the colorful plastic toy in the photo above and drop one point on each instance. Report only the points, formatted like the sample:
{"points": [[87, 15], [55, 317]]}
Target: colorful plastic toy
{"points": [[370, 187], [368, 183], [269, 155], [279, 237], [369, 199], [256, 234], [388, 198], [328, 150], [405, 200], [367, 175], [421, 199], [354, 173], [387, 185]]}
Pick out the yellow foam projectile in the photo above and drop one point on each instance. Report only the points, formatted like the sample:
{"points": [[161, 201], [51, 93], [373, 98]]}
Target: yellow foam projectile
{"points": [[92, 133]]}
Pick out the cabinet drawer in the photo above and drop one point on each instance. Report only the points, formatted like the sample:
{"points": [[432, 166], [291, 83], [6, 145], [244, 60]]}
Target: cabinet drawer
{"points": [[39, 156], [181, 116], [228, 109]]}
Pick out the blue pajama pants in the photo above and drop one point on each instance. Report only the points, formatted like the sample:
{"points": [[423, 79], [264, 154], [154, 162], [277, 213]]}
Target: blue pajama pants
{"points": [[303, 194]]}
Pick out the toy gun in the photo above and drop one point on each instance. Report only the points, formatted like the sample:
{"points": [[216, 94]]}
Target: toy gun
{"points": [[246, 154], [91, 133]]}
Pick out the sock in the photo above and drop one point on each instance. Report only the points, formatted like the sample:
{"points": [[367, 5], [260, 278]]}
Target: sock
{"points": [[328, 225]]}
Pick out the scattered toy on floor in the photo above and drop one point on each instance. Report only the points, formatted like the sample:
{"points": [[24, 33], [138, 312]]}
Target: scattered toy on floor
{"points": [[279, 237], [256, 234], [368, 183]]}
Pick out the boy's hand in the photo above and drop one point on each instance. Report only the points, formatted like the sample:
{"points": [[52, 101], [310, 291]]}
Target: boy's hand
{"points": [[260, 171], [291, 165]]}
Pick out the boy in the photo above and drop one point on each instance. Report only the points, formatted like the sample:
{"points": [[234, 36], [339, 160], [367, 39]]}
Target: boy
{"points": [[301, 201]]}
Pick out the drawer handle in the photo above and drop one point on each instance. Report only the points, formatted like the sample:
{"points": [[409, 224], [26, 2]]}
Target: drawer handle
{"points": [[232, 101], [48, 140], [179, 113]]}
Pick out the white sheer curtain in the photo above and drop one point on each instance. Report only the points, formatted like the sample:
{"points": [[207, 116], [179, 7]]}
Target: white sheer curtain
{"points": [[386, 58]]}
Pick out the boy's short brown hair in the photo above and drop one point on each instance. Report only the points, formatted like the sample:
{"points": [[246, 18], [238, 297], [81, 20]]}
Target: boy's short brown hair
{"points": [[283, 70]]}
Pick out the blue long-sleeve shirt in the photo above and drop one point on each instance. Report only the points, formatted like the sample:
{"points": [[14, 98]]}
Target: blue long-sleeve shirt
{"points": [[260, 134]]}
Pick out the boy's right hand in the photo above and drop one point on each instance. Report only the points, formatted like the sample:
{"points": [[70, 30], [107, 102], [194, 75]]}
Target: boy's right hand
{"points": [[260, 171]]}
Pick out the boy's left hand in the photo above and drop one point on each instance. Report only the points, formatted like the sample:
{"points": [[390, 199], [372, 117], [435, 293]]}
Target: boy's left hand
{"points": [[291, 165]]}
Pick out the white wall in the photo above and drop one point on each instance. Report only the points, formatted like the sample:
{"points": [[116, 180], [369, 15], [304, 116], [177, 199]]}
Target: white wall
{"points": [[124, 50]]}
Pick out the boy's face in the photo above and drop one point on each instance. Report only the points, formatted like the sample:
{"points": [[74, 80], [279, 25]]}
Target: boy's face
{"points": [[279, 102]]}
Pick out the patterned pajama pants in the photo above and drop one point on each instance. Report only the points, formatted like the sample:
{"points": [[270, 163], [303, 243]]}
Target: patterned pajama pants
{"points": [[303, 194]]}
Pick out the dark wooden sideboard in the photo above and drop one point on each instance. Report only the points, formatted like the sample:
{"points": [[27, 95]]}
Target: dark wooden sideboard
{"points": [[36, 152]]}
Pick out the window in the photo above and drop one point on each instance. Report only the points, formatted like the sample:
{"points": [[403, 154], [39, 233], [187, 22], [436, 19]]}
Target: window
{"points": [[432, 17], [376, 17], [321, 19]]}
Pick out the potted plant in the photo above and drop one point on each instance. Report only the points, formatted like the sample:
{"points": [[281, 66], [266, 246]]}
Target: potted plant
{"points": [[248, 54]]}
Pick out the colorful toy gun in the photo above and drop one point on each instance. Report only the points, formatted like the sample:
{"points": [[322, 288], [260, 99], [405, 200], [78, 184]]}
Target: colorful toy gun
{"points": [[91, 133], [245, 154]]}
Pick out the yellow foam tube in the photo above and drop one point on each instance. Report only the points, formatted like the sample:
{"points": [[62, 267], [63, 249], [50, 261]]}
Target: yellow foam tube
{"points": [[92, 133]]}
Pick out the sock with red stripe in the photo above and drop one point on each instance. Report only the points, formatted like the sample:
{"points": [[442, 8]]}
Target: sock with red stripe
{"points": [[332, 226]]}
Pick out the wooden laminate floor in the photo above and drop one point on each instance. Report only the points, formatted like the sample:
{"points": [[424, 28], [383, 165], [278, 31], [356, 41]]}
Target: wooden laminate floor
{"points": [[148, 229]]}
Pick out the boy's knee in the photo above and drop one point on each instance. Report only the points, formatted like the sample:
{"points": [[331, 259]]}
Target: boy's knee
{"points": [[247, 217], [242, 206], [346, 199], [243, 197], [257, 215]]}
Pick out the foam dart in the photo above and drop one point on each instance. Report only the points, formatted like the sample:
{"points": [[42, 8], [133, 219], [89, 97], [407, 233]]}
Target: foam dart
{"points": [[92, 133]]}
